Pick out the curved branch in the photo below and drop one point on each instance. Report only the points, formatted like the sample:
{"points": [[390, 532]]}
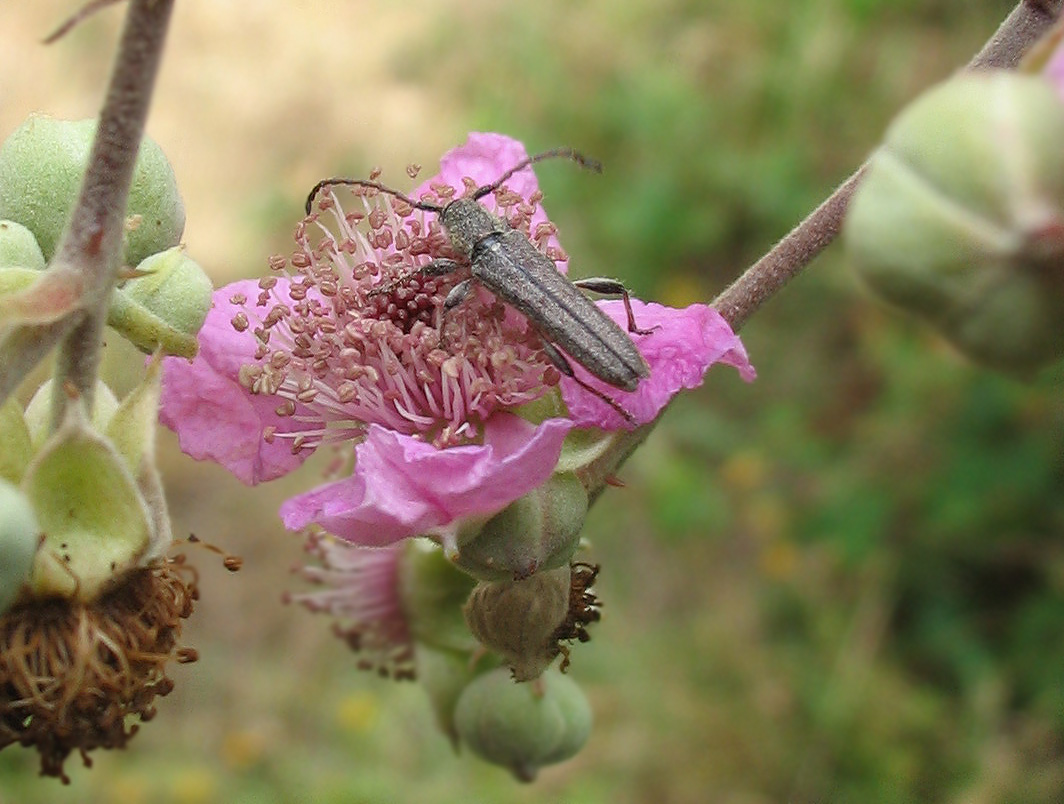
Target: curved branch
{"points": [[1025, 25]]}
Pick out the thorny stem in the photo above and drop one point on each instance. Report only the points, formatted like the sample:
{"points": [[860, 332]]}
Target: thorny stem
{"points": [[1027, 22], [93, 239]]}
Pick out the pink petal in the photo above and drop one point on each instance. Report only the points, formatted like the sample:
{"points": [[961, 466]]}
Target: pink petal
{"points": [[403, 487], [684, 345], [214, 417], [484, 158]]}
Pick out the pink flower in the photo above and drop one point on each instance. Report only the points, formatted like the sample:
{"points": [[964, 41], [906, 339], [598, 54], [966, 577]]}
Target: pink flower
{"points": [[362, 590], [347, 344]]}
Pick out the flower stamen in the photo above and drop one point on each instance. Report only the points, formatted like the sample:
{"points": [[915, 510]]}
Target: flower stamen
{"points": [[359, 333]]}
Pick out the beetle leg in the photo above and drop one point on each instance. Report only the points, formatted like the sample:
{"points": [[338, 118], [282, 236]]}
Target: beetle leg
{"points": [[611, 287], [565, 367], [441, 266], [458, 294], [438, 267]]}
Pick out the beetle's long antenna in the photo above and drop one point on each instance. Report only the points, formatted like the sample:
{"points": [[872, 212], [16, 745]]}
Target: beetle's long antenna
{"points": [[553, 153], [373, 185]]}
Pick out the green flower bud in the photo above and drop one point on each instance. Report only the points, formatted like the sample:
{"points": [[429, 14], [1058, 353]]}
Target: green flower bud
{"points": [[444, 675], [540, 530], [960, 218], [432, 591], [523, 727], [164, 305], [41, 166], [20, 536], [21, 261], [520, 620], [19, 248]]}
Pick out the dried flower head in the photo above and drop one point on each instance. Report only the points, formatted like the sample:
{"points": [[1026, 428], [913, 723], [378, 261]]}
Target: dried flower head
{"points": [[72, 672], [584, 609]]}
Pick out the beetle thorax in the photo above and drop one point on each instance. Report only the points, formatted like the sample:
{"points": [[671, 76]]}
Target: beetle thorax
{"points": [[467, 223]]}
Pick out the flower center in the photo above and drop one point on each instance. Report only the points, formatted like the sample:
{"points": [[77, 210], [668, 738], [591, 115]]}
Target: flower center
{"points": [[354, 331], [415, 298]]}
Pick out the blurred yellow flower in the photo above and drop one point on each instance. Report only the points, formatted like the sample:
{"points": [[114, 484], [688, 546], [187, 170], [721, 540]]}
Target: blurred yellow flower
{"points": [[357, 712], [778, 560], [195, 786], [241, 749], [744, 470], [129, 790]]}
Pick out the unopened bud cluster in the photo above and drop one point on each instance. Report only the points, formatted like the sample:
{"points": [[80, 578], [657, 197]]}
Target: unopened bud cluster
{"points": [[165, 295], [90, 606], [960, 219]]}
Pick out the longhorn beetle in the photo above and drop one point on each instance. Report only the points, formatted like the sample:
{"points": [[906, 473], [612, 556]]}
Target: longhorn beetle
{"points": [[505, 261]]}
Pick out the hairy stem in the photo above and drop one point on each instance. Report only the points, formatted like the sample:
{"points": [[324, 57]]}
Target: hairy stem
{"points": [[1027, 22], [93, 239]]}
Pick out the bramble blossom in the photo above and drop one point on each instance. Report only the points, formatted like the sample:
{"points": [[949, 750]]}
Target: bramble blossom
{"points": [[346, 342]]}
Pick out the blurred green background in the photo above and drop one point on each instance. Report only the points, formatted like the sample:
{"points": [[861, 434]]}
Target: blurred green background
{"points": [[844, 583]]}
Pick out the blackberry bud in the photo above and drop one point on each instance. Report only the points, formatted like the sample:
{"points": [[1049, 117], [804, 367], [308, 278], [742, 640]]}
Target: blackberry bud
{"points": [[960, 219], [523, 726]]}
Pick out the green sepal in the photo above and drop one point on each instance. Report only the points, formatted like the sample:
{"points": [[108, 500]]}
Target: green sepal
{"points": [[583, 447], [432, 591], [538, 531], [20, 536], [548, 406], [16, 278], [131, 427], [132, 432], [95, 521], [16, 446]]}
